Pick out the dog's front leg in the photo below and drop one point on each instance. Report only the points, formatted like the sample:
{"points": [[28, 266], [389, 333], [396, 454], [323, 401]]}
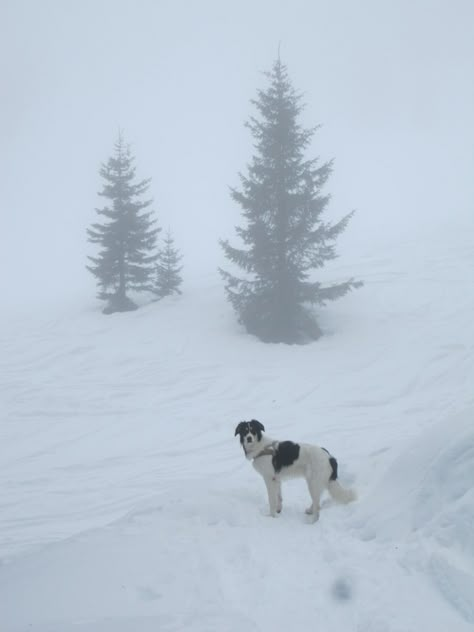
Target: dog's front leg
{"points": [[273, 489]]}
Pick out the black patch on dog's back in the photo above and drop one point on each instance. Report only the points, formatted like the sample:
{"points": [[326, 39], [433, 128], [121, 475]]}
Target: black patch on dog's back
{"points": [[333, 463], [285, 455]]}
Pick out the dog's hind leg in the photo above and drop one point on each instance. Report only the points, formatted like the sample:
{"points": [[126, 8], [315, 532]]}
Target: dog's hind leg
{"points": [[315, 491]]}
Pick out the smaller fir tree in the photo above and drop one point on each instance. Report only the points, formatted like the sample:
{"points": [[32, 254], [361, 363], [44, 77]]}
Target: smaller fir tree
{"points": [[168, 278], [127, 237]]}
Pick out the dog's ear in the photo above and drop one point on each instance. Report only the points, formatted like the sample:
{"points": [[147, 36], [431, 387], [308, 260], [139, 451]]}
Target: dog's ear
{"points": [[237, 430], [258, 425]]}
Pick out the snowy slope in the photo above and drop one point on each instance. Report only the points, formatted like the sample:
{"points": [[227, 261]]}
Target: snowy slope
{"points": [[127, 504]]}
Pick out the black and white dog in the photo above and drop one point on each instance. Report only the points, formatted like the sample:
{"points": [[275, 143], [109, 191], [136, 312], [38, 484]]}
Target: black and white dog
{"points": [[276, 460]]}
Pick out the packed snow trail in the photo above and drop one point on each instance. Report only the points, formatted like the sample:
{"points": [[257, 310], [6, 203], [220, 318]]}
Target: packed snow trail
{"points": [[205, 556]]}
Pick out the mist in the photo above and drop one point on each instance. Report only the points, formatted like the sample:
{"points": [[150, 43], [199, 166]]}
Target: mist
{"points": [[127, 501], [390, 84]]}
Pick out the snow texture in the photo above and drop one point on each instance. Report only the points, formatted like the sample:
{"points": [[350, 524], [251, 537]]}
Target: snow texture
{"points": [[127, 504]]}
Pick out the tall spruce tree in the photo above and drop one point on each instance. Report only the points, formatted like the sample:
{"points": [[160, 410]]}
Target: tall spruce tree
{"points": [[127, 237], [285, 237], [168, 278]]}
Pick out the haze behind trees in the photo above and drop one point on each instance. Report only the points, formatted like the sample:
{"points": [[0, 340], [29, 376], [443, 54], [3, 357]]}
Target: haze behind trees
{"points": [[388, 81]]}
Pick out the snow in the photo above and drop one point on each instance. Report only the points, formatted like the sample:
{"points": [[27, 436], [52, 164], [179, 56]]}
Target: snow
{"points": [[127, 505]]}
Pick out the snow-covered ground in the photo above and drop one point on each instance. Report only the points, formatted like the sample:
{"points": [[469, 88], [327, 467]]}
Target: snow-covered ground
{"points": [[127, 505]]}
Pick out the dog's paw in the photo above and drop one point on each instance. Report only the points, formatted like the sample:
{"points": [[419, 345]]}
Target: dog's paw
{"points": [[309, 511]]}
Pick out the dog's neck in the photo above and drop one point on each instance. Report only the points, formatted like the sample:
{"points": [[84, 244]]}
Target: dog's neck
{"points": [[259, 448]]}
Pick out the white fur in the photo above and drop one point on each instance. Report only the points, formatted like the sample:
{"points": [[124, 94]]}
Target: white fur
{"points": [[312, 464]]}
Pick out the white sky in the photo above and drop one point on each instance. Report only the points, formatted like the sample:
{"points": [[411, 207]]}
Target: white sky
{"points": [[391, 83]]}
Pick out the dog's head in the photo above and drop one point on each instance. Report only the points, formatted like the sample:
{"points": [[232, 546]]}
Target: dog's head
{"points": [[250, 433]]}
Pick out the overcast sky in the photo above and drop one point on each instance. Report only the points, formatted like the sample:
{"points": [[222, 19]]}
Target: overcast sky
{"points": [[391, 82]]}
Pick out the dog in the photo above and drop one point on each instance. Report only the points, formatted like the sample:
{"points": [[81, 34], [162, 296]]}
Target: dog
{"points": [[277, 460]]}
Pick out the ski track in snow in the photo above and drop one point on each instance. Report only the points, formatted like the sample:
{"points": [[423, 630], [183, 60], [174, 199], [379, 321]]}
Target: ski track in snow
{"points": [[127, 504]]}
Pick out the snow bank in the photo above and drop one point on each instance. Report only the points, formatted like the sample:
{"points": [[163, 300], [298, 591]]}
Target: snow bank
{"points": [[425, 504]]}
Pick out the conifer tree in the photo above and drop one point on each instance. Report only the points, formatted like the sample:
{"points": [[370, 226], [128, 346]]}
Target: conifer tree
{"points": [[285, 237], [127, 237], [168, 279]]}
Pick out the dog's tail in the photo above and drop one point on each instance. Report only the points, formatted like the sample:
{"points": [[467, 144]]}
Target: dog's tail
{"points": [[339, 493]]}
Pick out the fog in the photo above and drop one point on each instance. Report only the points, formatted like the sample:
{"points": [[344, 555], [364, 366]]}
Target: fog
{"points": [[390, 83]]}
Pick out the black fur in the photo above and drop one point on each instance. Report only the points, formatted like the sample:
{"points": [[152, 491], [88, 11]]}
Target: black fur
{"points": [[333, 464], [286, 454]]}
